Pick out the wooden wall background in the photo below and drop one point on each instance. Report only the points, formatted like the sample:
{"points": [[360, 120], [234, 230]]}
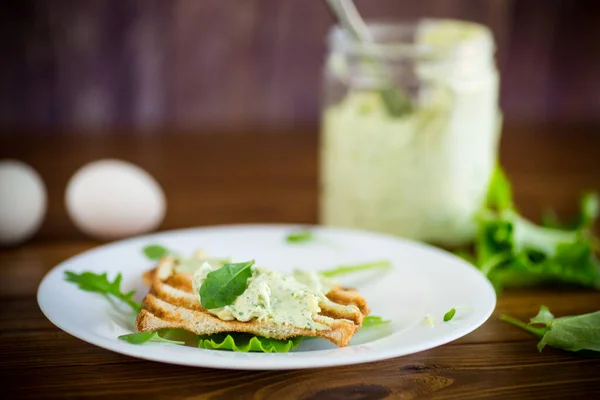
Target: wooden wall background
{"points": [[205, 65]]}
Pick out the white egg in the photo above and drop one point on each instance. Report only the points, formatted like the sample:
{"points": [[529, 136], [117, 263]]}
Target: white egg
{"points": [[111, 199], [22, 202]]}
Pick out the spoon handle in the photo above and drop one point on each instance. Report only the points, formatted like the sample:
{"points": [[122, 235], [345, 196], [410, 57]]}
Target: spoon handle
{"points": [[350, 19]]}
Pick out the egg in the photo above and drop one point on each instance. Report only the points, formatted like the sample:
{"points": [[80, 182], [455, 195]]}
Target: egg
{"points": [[22, 202], [110, 199]]}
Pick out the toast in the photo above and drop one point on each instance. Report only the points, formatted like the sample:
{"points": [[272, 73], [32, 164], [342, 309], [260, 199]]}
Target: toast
{"points": [[172, 303]]}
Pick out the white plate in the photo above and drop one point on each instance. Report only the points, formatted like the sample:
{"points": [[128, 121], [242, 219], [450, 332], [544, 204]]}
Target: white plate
{"points": [[423, 281]]}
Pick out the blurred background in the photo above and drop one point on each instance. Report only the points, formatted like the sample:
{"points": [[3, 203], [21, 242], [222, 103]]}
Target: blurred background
{"points": [[202, 66], [178, 87]]}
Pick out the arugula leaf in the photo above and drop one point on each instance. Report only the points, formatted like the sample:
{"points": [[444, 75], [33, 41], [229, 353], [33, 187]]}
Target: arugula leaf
{"points": [[449, 315], [302, 236], [144, 337], [372, 321], [539, 332], [580, 332], [348, 269], [241, 342], [516, 251], [512, 251], [222, 286], [590, 208], [99, 283], [499, 195], [574, 333], [155, 251]]}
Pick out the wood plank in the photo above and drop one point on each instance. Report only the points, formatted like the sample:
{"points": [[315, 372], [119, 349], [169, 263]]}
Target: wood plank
{"points": [[214, 63], [470, 371], [278, 179]]}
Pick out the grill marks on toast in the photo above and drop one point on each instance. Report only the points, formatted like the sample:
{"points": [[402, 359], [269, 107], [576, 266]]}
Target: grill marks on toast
{"points": [[171, 303]]}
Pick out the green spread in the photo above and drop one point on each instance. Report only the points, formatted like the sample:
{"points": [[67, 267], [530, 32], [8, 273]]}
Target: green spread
{"points": [[270, 295]]}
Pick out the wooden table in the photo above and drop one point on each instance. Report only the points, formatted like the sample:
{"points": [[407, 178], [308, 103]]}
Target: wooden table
{"points": [[228, 178]]}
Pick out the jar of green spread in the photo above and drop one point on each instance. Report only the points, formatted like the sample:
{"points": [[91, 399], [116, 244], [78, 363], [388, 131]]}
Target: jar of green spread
{"points": [[410, 129]]}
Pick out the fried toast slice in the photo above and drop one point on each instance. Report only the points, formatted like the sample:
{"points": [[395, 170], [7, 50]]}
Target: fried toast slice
{"points": [[171, 303]]}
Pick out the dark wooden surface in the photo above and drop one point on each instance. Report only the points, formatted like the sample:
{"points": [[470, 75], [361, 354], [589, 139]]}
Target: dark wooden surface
{"points": [[93, 64], [272, 178]]}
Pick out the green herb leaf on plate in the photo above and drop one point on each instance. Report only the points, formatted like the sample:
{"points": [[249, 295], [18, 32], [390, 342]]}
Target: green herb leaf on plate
{"points": [[144, 337], [573, 333], [301, 236], [248, 343], [449, 315], [349, 269], [372, 321], [99, 283], [155, 251], [224, 285]]}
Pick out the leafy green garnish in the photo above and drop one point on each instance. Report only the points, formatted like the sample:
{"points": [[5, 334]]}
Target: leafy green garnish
{"points": [[302, 236], [348, 269], [372, 321], [449, 315], [144, 337], [512, 251], [499, 194], [155, 251], [574, 333], [222, 286], [99, 283], [245, 343]]}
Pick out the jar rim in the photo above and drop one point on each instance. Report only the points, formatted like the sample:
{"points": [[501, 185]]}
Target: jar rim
{"points": [[481, 39]]}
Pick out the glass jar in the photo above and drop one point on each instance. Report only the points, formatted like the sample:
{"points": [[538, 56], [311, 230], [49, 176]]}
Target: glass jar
{"points": [[410, 129]]}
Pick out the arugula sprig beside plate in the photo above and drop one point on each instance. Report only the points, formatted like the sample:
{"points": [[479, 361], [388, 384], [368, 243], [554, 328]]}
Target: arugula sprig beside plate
{"points": [[512, 251], [573, 333]]}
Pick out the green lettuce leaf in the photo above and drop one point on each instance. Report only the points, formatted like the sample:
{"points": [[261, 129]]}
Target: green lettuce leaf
{"points": [[372, 321], [349, 269], [301, 236], [144, 337], [572, 333], [247, 343], [155, 251], [449, 315], [514, 252]]}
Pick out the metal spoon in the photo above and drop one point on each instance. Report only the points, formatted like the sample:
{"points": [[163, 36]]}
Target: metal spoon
{"points": [[396, 102]]}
